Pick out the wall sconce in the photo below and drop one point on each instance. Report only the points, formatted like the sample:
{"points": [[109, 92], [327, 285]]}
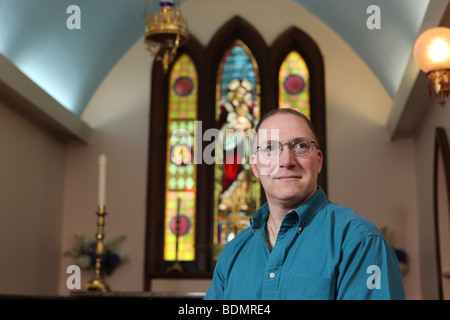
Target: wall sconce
{"points": [[432, 55]]}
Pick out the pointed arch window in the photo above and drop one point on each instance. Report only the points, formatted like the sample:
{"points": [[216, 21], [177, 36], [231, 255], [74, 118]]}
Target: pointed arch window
{"points": [[226, 86], [236, 190], [293, 84], [181, 178]]}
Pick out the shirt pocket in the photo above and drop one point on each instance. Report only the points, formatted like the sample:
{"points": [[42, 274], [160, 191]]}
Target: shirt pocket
{"points": [[301, 287]]}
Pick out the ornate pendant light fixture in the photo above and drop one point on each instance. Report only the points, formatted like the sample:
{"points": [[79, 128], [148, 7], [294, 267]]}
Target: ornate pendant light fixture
{"points": [[432, 55], [165, 32]]}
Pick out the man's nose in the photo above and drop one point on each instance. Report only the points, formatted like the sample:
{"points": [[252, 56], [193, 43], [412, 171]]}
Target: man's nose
{"points": [[286, 158]]}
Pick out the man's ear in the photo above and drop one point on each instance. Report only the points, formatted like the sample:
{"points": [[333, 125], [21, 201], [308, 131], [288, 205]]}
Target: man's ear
{"points": [[253, 165], [320, 159]]}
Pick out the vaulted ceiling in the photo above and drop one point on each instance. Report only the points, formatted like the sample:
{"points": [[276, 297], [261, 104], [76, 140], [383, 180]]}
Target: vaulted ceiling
{"points": [[69, 65]]}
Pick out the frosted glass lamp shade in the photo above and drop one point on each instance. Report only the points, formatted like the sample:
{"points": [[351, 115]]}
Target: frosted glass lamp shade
{"points": [[432, 49]]}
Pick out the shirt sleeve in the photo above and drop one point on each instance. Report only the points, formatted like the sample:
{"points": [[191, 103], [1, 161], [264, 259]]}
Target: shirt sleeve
{"points": [[216, 290], [369, 270]]}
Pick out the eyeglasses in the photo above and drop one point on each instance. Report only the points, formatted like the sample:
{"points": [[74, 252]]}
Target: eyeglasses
{"points": [[299, 146]]}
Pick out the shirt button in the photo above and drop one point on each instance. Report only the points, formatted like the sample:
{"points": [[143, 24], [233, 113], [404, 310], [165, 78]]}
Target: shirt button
{"points": [[272, 275]]}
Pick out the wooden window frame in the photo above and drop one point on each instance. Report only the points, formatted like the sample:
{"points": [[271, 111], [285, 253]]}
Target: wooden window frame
{"points": [[207, 60], [442, 147]]}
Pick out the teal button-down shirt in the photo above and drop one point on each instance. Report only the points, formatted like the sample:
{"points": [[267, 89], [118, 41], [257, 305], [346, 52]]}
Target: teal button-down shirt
{"points": [[323, 251]]}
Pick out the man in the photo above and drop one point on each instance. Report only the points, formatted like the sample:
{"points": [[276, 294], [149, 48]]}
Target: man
{"points": [[300, 245]]}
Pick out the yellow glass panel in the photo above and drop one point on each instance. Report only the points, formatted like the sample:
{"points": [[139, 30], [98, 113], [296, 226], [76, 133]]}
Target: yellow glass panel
{"points": [[181, 171], [293, 83]]}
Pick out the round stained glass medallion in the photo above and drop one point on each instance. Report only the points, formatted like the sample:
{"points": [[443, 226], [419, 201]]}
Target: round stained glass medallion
{"points": [[181, 155], [183, 225], [183, 86], [294, 84]]}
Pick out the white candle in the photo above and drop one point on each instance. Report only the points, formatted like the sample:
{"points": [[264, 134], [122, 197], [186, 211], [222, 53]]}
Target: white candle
{"points": [[102, 159]]}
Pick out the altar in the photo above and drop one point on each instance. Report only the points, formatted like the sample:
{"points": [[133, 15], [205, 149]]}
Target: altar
{"points": [[141, 295]]}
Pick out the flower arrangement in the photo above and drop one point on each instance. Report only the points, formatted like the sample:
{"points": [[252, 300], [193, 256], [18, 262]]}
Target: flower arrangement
{"points": [[400, 253], [83, 250], [216, 250]]}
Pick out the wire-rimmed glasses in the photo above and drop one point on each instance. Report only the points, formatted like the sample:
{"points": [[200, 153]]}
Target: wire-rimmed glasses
{"points": [[300, 147]]}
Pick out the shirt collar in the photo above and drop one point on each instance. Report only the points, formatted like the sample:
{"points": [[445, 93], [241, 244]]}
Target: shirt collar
{"points": [[305, 212]]}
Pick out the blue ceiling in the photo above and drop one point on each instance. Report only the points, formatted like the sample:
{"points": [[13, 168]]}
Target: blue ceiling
{"points": [[71, 64]]}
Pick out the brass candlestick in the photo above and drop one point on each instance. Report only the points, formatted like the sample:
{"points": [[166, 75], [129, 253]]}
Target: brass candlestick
{"points": [[97, 283]]}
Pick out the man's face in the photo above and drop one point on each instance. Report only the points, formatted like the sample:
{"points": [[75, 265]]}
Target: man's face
{"points": [[287, 179]]}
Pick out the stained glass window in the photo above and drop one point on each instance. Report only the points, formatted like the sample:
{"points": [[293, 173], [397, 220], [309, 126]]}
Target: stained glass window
{"points": [[179, 225], [237, 191], [200, 207], [294, 84]]}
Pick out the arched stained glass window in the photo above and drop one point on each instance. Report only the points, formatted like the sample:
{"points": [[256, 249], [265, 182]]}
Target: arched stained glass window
{"points": [[180, 189], [294, 84], [237, 192], [193, 209]]}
